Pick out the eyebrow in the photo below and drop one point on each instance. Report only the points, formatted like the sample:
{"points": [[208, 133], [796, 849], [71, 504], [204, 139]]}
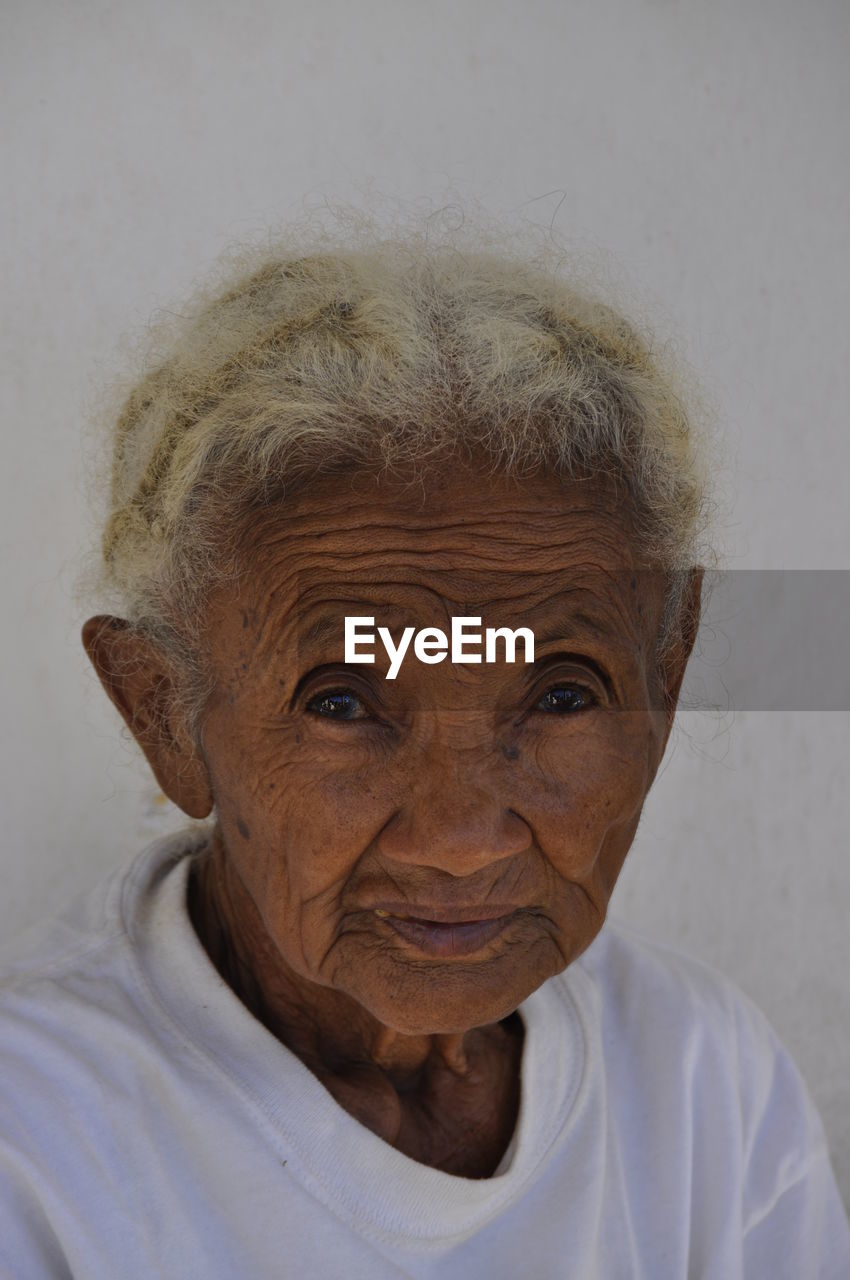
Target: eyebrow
{"points": [[332, 626], [323, 629], [581, 626]]}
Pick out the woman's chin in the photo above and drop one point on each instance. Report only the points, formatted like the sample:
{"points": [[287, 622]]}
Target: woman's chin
{"points": [[419, 1002]]}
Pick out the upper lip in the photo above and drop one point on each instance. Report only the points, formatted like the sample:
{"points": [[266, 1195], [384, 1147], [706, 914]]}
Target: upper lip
{"points": [[446, 915]]}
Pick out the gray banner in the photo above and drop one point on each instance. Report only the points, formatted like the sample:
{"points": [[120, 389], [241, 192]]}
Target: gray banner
{"points": [[772, 640]]}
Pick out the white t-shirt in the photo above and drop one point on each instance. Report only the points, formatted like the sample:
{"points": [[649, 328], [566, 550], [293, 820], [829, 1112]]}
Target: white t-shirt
{"points": [[150, 1126]]}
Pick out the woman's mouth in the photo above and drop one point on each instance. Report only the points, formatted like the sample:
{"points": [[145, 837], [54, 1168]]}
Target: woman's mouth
{"points": [[446, 938]]}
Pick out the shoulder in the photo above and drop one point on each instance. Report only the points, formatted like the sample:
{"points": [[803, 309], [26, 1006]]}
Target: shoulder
{"points": [[655, 996], [67, 982], [683, 1042], [76, 1014], [640, 979], [621, 955], [101, 918]]}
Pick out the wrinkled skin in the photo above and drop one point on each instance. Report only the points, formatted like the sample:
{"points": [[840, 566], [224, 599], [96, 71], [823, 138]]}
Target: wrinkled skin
{"points": [[473, 786]]}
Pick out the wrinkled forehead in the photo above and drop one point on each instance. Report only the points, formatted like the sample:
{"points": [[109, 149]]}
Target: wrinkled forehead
{"points": [[459, 520], [540, 553]]}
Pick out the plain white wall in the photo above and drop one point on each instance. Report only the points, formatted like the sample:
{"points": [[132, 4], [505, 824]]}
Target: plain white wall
{"points": [[703, 145]]}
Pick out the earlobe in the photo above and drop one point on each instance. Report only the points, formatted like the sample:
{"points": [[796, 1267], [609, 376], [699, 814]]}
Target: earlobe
{"points": [[140, 684]]}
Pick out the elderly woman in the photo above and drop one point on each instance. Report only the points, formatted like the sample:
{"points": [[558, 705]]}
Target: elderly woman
{"points": [[405, 545]]}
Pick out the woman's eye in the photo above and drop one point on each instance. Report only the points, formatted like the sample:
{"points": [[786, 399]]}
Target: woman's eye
{"points": [[564, 698], [337, 704]]}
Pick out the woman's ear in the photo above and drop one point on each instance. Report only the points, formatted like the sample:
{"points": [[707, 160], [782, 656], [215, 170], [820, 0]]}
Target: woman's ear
{"points": [[140, 684]]}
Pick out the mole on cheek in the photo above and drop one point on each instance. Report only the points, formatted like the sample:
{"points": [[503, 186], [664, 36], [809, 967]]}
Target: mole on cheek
{"points": [[242, 828], [510, 753]]}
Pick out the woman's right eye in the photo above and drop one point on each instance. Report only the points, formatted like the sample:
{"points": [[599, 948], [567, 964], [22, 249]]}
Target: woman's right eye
{"points": [[566, 698], [337, 704]]}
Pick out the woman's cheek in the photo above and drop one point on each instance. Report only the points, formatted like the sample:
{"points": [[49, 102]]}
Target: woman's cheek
{"points": [[579, 783]]}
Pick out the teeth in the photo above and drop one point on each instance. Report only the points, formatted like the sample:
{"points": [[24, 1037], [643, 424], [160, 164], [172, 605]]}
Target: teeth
{"points": [[383, 915]]}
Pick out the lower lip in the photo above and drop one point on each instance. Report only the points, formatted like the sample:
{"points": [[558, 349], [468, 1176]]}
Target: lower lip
{"points": [[449, 939]]}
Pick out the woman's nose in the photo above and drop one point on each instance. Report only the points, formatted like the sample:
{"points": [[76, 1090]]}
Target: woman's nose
{"points": [[456, 821]]}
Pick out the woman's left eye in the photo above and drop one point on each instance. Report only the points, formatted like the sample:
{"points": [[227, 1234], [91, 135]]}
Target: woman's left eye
{"points": [[337, 704], [564, 698]]}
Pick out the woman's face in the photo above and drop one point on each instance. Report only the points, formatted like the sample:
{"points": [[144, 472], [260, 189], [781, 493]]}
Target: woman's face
{"points": [[501, 793]]}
